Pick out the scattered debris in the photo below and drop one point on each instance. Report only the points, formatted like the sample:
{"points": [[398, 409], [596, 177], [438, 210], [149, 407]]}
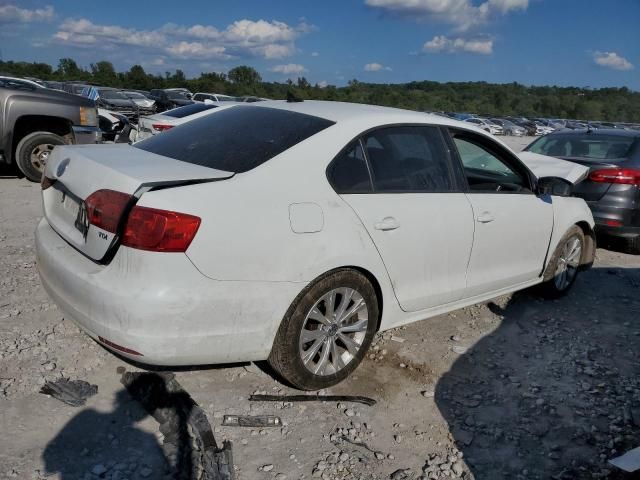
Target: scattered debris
{"points": [[629, 462], [189, 444], [313, 398], [459, 349], [71, 392], [397, 339], [251, 421]]}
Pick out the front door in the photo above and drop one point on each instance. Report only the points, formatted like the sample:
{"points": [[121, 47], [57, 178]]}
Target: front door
{"points": [[512, 224]]}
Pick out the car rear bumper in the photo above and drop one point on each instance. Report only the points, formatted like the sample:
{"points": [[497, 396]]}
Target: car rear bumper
{"points": [[158, 309], [616, 222], [86, 135]]}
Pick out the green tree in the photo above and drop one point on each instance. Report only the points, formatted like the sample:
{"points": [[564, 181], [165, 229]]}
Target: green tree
{"points": [[244, 75], [68, 69]]}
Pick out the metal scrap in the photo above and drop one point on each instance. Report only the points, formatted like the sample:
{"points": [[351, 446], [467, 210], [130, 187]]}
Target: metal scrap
{"points": [[313, 398], [251, 421]]}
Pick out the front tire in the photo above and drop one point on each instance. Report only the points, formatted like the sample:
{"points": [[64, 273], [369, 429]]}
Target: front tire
{"points": [[327, 331], [33, 152], [562, 270]]}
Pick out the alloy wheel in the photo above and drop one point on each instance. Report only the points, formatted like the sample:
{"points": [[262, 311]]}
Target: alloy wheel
{"points": [[333, 331], [39, 155], [568, 263]]}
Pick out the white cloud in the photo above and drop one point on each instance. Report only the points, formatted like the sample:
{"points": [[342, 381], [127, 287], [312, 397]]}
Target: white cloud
{"points": [[323, 84], [612, 60], [462, 14], [441, 43], [375, 67], [11, 13], [241, 39], [315, 54], [289, 68]]}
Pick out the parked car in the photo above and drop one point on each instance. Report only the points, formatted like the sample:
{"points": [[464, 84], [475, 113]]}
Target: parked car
{"points": [[76, 87], [145, 105], [612, 190], [251, 99], [33, 120], [54, 85], [115, 127], [161, 122], [168, 99], [486, 125], [116, 101], [185, 91], [509, 128], [214, 97], [193, 247]]}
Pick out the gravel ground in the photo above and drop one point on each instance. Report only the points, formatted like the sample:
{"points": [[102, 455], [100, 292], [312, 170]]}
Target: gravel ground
{"points": [[517, 388]]}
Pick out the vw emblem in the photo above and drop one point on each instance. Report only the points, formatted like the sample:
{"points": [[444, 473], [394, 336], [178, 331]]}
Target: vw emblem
{"points": [[62, 166]]}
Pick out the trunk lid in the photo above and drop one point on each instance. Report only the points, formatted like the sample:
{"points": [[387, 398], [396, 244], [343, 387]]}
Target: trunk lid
{"points": [[78, 171]]}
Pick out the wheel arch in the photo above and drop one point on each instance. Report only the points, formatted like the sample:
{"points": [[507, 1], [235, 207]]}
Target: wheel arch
{"points": [[28, 124], [589, 253]]}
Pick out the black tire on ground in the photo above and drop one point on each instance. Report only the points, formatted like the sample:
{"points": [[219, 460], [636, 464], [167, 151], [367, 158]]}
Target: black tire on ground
{"points": [[285, 357], [551, 287], [26, 147]]}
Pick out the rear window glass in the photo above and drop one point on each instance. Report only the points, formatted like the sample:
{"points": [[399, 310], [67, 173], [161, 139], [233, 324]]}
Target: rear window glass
{"points": [[187, 110], [587, 146], [235, 139]]}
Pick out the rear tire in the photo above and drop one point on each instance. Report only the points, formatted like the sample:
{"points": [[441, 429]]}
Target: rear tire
{"points": [[326, 331], [33, 151], [562, 270]]}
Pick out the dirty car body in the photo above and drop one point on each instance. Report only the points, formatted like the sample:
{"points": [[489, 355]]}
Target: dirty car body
{"points": [[192, 246]]}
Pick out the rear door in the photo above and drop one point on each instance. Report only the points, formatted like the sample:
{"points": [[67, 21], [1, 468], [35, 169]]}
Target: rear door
{"points": [[512, 225], [399, 181]]}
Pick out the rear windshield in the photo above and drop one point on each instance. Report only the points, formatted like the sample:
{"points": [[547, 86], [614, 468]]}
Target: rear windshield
{"points": [[187, 110], [589, 146], [235, 139]]}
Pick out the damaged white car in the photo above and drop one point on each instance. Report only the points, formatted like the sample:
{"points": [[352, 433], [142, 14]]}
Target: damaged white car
{"points": [[293, 232]]}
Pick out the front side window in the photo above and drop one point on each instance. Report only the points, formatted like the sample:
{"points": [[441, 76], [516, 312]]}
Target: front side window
{"points": [[408, 159], [485, 170], [349, 173]]}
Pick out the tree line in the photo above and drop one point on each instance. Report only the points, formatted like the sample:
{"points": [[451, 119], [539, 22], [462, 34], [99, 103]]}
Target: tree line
{"points": [[613, 104]]}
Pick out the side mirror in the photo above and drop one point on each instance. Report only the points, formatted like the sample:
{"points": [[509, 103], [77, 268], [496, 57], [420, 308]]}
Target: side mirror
{"points": [[555, 186]]}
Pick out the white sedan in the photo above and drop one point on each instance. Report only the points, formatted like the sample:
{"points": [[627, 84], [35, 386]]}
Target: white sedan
{"points": [[293, 232]]}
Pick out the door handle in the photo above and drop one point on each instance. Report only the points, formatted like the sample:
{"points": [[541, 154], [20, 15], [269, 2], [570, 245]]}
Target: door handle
{"points": [[387, 223], [485, 217]]}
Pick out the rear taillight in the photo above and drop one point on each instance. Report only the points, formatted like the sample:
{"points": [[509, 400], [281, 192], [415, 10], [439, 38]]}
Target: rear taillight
{"points": [[105, 208], [159, 230], [625, 176], [159, 127]]}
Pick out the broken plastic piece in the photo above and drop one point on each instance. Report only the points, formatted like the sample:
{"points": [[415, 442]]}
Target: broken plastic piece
{"points": [[313, 398], [71, 392], [629, 462], [251, 421]]}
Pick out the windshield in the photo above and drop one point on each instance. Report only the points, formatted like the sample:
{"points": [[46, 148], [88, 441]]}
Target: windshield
{"points": [[187, 110], [235, 139], [588, 146], [112, 95]]}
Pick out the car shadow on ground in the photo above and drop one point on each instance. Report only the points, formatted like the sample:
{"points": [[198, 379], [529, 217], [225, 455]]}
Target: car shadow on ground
{"points": [[554, 391]]}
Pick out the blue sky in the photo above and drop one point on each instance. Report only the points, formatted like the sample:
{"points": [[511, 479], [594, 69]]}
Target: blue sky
{"points": [[536, 42]]}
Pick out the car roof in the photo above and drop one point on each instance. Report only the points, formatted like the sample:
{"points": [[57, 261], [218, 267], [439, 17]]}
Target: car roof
{"points": [[343, 111]]}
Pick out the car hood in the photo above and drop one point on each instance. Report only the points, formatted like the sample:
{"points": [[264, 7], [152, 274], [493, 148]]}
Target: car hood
{"points": [[544, 166], [117, 102], [143, 102]]}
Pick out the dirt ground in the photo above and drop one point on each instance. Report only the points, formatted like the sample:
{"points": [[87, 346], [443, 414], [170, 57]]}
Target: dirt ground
{"points": [[518, 388]]}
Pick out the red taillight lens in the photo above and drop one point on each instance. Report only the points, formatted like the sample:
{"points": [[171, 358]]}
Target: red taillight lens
{"points": [[159, 127], [625, 176], [159, 230], [105, 208], [613, 223]]}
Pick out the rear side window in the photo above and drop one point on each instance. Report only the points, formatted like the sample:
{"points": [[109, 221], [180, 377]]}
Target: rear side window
{"points": [[235, 139], [408, 159], [187, 110], [348, 173]]}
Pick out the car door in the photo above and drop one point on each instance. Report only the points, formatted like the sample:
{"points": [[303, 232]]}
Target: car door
{"points": [[512, 224], [400, 183]]}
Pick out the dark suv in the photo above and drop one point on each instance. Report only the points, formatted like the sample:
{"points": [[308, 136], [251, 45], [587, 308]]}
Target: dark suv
{"points": [[33, 120], [612, 189], [168, 99]]}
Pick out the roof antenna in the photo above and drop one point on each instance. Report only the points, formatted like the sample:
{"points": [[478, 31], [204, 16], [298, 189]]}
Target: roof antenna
{"points": [[292, 98]]}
